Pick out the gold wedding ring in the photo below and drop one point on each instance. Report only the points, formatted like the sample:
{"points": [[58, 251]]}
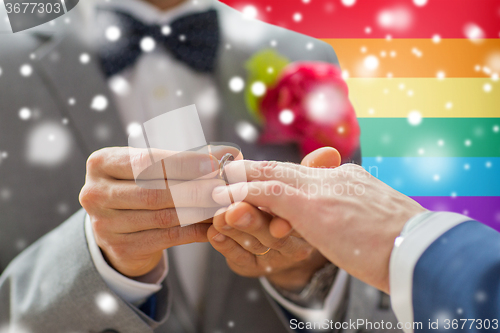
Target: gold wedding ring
{"points": [[263, 253]]}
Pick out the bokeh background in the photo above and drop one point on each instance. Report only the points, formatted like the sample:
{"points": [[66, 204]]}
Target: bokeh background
{"points": [[423, 77]]}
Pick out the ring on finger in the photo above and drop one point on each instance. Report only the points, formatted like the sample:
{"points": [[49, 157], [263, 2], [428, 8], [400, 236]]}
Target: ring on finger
{"points": [[263, 253]]}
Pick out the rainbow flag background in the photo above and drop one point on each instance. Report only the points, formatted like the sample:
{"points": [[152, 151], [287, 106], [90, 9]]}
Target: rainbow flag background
{"points": [[423, 77]]}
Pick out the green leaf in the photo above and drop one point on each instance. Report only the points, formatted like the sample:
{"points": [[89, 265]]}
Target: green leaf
{"points": [[264, 66]]}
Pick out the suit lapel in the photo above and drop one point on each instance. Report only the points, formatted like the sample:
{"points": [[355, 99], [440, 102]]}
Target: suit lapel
{"points": [[181, 309], [76, 84], [220, 279]]}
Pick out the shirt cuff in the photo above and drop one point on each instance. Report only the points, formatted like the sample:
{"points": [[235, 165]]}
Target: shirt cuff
{"points": [[133, 291], [417, 235], [330, 306]]}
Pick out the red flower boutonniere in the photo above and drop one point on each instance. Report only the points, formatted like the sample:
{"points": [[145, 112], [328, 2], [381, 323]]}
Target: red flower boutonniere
{"points": [[302, 102]]}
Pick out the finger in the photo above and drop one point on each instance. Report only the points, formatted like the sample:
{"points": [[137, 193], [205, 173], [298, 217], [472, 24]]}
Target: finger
{"points": [[218, 151], [281, 199], [130, 221], [231, 249], [134, 163], [279, 227], [245, 240], [244, 219], [151, 241], [288, 173], [127, 195], [326, 157]]}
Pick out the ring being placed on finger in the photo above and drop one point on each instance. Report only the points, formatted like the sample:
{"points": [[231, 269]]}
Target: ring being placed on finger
{"points": [[222, 165], [263, 253], [222, 172]]}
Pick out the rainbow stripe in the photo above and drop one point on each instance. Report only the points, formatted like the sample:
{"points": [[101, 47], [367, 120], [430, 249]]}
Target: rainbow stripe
{"points": [[451, 159]]}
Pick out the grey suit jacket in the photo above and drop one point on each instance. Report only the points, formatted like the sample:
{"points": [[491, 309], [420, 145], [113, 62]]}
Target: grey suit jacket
{"points": [[52, 286]]}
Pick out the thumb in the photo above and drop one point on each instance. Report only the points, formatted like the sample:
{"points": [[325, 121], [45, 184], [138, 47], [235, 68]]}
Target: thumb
{"points": [[326, 157]]}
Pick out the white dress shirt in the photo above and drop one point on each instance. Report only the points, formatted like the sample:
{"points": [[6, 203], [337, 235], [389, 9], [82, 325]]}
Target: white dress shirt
{"points": [[158, 83], [417, 235]]}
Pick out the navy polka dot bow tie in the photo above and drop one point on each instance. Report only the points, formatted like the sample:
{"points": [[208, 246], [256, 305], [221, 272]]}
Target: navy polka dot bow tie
{"points": [[192, 39]]}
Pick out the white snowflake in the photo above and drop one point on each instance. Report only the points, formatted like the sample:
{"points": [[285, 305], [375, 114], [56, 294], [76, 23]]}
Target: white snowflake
{"points": [[134, 129], [286, 117], [5, 194], [247, 131], [348, 3], [26, 70], [25, 114], [250, 12], [21, 244], [258, 88], [236, 84], [107, 303], [420, 3], [297, 17], [415, 118], [113, 33], [253, 295], [49, 144], [371, 62], [473, 32], [119, 85], [99, 103], [481, 296], [84, 58], [147, 44], [166, 30]]}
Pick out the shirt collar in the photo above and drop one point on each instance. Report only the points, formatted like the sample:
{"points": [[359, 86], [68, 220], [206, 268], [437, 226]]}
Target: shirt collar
{"points": [[150, 14]]}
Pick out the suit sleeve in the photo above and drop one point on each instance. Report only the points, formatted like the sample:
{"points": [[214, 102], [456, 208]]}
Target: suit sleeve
{"points": [[444, 272], [53, 286]]}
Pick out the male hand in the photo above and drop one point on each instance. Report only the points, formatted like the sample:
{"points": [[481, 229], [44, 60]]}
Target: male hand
{"points": [[351, 217], [242, 235], [134, 221]]}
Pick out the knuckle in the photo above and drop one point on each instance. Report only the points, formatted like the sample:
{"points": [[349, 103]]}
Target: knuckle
{"points": [[90, 195], [150, 198], [255, 246], [164, 217], [276, 187], [303, 253], [267, 168], [139, 160], [354, 167], [241, 258], [96, 159], [198, 233], [195, 195], [173, 233], [279, 243]]}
